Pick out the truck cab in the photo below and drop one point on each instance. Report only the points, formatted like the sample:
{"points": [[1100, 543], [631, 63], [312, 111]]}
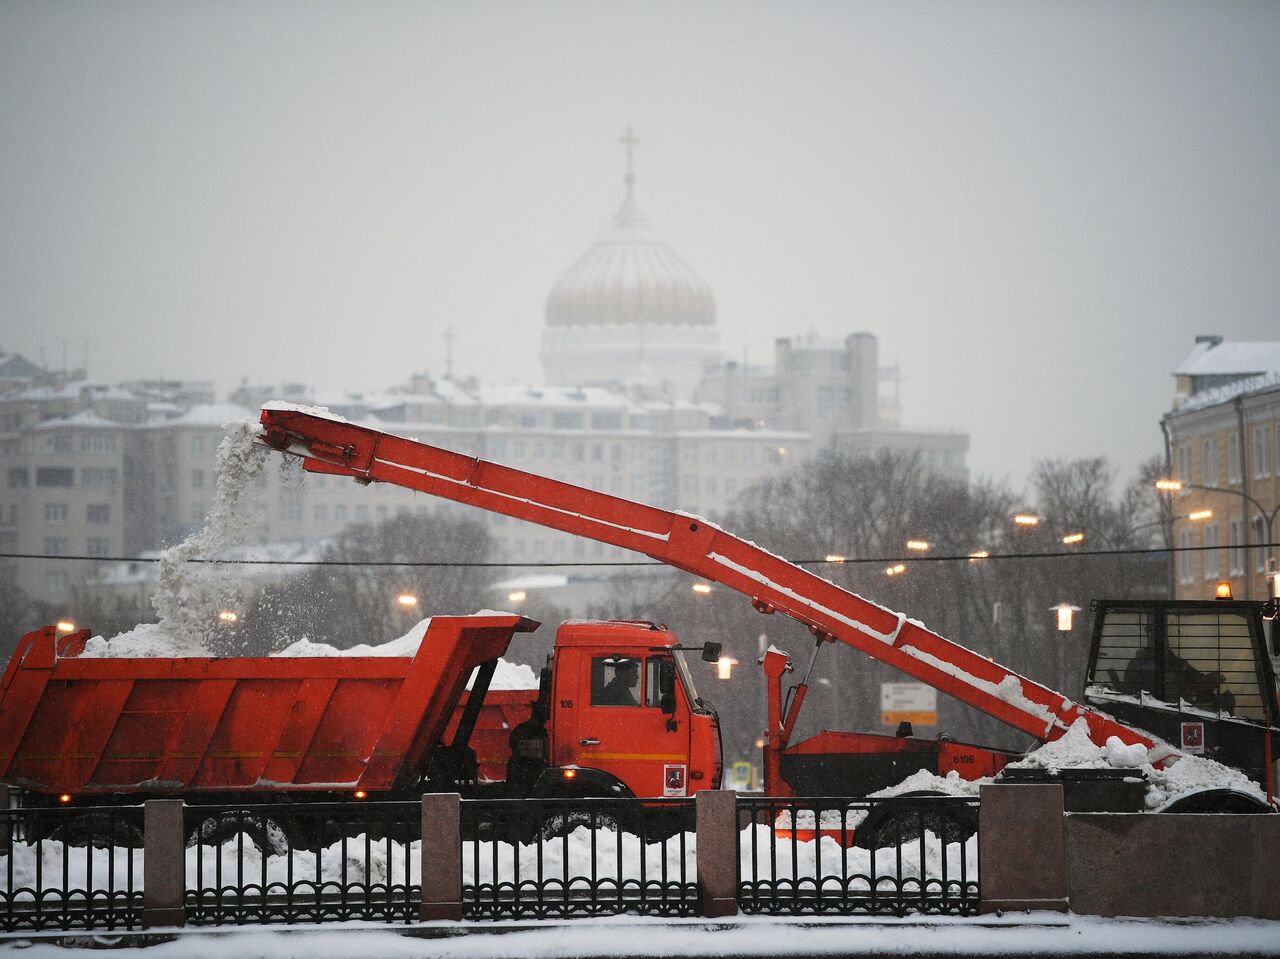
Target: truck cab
{"points": [[624, 717]]}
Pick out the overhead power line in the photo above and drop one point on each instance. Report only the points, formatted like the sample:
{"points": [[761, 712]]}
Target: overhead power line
{"points": [[451, 564]]}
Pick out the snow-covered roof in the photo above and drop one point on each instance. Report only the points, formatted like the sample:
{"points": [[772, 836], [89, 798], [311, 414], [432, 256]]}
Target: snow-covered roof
{"points": [[1229, 391], [210, 414], [1225, 358], [85, 419], [523, 395]]}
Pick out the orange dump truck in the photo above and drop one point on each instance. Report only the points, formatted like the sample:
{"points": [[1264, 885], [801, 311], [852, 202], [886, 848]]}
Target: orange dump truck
{"points": [[86, 730]]}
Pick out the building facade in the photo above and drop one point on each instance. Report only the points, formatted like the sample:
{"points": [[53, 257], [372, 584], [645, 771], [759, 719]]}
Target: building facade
{"points": [[1223, 438], [638, 402]]}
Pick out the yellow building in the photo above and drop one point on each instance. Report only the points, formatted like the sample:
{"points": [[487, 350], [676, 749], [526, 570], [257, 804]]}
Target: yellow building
{"points": [[1223, 438]]}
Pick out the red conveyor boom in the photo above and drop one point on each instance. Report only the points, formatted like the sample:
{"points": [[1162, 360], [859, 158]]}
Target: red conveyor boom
{"points": [[331, 445]]}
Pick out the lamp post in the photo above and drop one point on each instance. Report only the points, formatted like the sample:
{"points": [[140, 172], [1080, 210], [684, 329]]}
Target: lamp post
{"points": [[1268, 517]]}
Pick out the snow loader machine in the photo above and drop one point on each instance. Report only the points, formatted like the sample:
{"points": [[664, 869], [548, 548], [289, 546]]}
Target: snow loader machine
{"points": [[1195, 674]]}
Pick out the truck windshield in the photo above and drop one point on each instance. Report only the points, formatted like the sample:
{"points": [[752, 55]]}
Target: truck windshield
{"points": [[686, 678]]}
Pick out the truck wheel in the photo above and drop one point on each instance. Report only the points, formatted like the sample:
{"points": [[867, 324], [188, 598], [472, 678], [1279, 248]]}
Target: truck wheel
{"points": [[888, 825], [1216, 801], [269, 836], [561, 823], [99, 830]]}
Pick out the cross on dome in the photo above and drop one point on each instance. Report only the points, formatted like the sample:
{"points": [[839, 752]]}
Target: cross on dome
{"points": [[630, 141]]}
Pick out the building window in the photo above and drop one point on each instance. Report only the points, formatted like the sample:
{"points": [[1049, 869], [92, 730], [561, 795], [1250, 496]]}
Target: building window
{"points": [[362, 514], [55, 513], [1184, 466], [566, 421], [197, 443], [55, 546], [1235, 548], [606, 421], [98, 546], [1261, 452], [1259, 551], [18, 477], [340, 514], [1233, 459], [1210, 551], [1209, 468], [320, 512], [55, 476], [98, 512], [57, 581], [98, 477], [197, 479], [97, 443]]}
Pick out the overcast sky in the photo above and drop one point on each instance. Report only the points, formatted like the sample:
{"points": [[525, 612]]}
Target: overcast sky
{"points": [[1034, 206]]}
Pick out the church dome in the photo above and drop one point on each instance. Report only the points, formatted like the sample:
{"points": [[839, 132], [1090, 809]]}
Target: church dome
{"points": [[630, 277]]}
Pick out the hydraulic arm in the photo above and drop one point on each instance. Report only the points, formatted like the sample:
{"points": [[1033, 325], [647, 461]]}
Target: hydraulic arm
{"points": [[330, 445]]}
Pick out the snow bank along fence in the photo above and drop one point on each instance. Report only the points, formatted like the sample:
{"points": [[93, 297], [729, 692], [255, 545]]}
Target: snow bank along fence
{"points": [[443, 858]]}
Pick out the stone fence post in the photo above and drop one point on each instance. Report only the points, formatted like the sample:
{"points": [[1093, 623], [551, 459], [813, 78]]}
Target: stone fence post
{"points": [[716, 812], [164, 872], [441, 856], [1022, 847]]}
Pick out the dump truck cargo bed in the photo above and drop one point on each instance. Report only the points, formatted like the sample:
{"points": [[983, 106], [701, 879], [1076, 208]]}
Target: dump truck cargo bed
{"points": [[160, 726]]}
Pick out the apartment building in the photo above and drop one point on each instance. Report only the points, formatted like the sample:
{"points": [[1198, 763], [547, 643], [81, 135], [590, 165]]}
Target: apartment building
{"points": [[1223, 438]]}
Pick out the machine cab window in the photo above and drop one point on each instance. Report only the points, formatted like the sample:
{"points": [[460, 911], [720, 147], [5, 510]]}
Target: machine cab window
{"points": [[615, 681]]}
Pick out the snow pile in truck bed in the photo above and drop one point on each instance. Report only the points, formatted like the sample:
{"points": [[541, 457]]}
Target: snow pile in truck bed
{"points": [[151, 640], [507, 676], [1075, 750]]}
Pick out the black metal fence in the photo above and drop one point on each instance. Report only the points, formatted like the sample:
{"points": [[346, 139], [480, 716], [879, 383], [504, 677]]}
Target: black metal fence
{"points": [[900, 855], [82, 868], [71, 868], [559, 858], [303, 863]]}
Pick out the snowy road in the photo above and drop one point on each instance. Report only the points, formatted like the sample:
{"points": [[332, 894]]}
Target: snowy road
{"points": [[1024, 935]]}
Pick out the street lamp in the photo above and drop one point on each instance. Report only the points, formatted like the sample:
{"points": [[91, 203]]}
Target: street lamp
{"points": [[1027, 520], [702, 589], [1066, 613], [407, 600], [918, 545], [66, 626]]}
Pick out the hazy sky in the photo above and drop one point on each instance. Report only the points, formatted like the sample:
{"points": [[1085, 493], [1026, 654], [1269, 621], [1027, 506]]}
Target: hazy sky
{"points": [[1034, 206]]}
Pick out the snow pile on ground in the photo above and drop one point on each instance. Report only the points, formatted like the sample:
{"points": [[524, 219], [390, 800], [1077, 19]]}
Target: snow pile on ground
{"points": [[574, 859]]}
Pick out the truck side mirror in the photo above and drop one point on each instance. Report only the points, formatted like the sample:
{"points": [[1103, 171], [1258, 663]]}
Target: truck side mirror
{"points": [[710, 652], [667, 686]]}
